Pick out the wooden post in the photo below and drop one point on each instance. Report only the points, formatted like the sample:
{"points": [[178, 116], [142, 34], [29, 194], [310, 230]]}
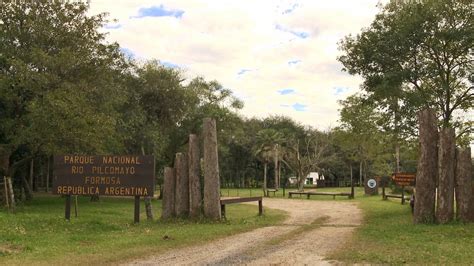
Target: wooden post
{"points": [[194, 163], [211, 171], [383, 191], [182, 185], [427, 168], [260, 207], [75, 206], [169, 188], [463, 184], [136, 216], [403, 195], [67, 209], [446, 163]]}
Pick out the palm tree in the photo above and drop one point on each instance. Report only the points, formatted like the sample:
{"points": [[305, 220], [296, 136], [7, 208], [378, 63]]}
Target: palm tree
{"points": [[266, 148]]}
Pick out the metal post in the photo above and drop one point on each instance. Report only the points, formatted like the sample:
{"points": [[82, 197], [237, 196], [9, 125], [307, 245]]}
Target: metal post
{"points": [[67, 210], [137, 210]]}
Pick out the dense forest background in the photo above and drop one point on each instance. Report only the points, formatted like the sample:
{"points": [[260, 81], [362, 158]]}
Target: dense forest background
{"points": [[65, 90]]}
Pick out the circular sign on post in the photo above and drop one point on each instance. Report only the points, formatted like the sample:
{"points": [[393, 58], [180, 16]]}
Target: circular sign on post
{"points": [[371, 183]]}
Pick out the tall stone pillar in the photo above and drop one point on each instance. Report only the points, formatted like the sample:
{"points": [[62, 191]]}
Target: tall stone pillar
{"points": [[212, 208]]}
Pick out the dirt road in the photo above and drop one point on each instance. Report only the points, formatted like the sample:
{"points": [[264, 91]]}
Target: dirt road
{"points": [[299, 240]]}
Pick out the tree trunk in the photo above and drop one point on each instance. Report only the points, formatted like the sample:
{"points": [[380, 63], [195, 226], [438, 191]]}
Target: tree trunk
{"points": [[32, 164], [397, 155], [360, 174], [194, 177], [169, 188], [427, 168], [148, 207], [265, 173], [279, 173], [463, 181], [301, 181], [446, 163], [182, 185], [161, 192], [10, 193], [352, 184], [47, 174], [212, 208], [27, 188], [275, 161]]}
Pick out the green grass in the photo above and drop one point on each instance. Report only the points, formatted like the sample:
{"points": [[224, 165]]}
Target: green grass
{"points": [[104, 233], [388, 236]]}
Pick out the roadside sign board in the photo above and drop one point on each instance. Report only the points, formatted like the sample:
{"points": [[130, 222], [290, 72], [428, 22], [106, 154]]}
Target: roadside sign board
{"points": [[404, 179], [108, 175]]}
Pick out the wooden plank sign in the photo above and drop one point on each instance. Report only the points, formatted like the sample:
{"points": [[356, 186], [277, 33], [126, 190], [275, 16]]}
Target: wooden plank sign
{"points": [[404, 179], [108, 175]]}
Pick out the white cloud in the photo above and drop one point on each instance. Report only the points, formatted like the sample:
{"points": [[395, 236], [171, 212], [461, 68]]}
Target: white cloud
{"points": [[219, 39]]}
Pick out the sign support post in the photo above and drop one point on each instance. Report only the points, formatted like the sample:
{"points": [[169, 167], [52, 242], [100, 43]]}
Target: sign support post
{"points": [[67, 211], [137, 210], [403, 195]]}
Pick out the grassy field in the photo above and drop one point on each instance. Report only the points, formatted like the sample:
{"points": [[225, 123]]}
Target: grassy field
{"points": [[104, 233]]}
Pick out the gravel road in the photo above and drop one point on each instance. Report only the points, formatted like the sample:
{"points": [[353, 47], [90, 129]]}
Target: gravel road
{"points": [[308, 247]]}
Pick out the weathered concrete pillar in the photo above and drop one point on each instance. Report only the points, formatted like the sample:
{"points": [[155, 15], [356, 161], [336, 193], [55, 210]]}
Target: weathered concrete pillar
{"points": [[463, 181], [182, 185], [212, 208], [194, 165], [446, 164], [169, 186], [427, 168]]}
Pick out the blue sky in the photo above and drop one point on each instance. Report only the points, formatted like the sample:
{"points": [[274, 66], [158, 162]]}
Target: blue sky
{"points": [[286, 91], [158, 11], [278, 56]]}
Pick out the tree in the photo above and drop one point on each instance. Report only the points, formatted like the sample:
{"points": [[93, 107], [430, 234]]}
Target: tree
{"points": [[308, 154], [59, 80], [266, 141], [423, 49], [359, 124]]}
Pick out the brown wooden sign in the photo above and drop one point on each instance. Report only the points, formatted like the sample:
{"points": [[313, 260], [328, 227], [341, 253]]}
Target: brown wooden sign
{"points": [[404, 179], [109, 175]]}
